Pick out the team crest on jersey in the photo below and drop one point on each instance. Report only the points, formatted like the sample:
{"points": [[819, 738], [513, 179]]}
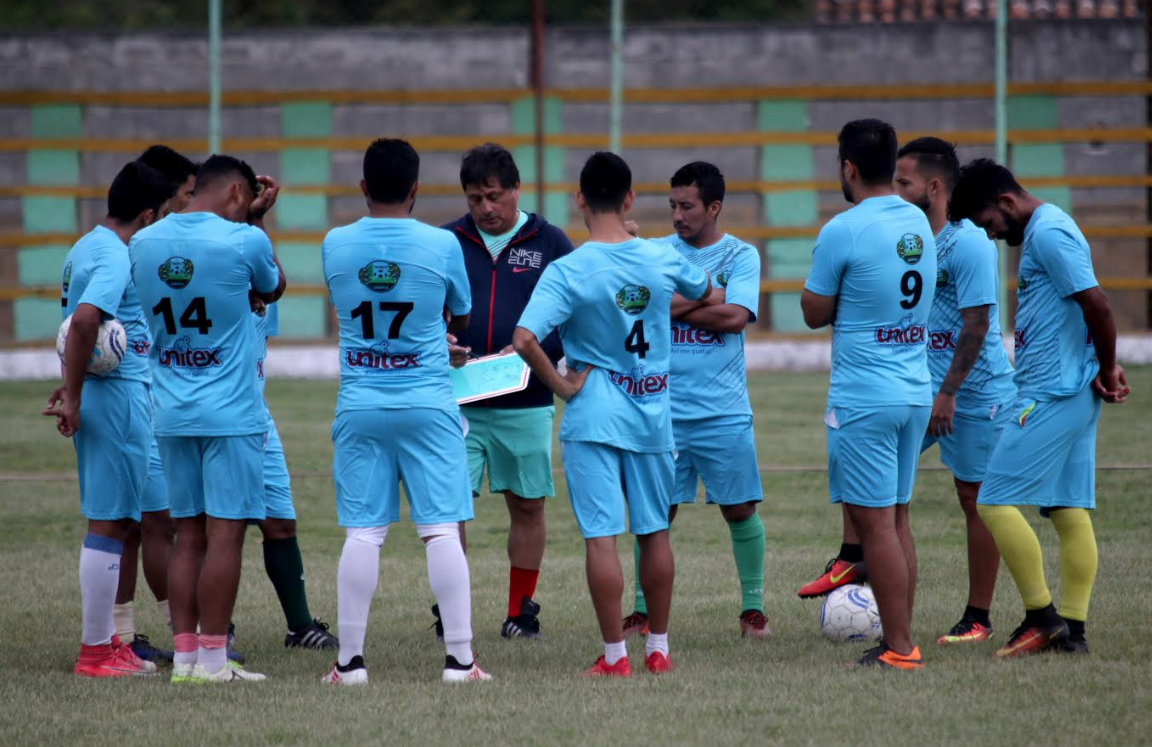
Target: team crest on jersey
{"points": [[67, 277], [941, 277], [722, 278], [176, 272], [633, 299], [380, 276], [1021, 283], [910, 248]]}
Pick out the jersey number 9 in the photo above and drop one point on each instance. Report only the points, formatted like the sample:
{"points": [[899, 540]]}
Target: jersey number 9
{"points": [[912, 286]]}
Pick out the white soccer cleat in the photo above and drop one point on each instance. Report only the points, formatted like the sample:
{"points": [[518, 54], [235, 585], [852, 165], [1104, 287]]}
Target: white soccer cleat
{"points": [[454, 672], [182, 673], [357, 676], [232, 672]]}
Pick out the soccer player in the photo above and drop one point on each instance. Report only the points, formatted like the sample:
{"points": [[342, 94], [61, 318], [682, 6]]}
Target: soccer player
{"points": [[971, 375], [610, 301], [711, 416], [194, 271], [872, 279], [282, 560], [152, 538], [1065, 365], [392, 281], [108, 417], [505, 252]]}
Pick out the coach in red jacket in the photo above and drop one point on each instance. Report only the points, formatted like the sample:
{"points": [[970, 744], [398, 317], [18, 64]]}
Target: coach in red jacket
{"points": [[505, 252]]}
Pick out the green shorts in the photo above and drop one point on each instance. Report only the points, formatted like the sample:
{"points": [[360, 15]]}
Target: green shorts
{"points": [[516, 446]]}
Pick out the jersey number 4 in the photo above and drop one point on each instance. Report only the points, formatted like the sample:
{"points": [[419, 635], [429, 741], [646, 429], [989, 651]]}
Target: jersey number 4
{"points": [[635, 342], [368, 324], [194, 317]]}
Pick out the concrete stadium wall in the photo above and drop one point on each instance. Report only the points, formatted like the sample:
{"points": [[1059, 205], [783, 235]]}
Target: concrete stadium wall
{"points": [[665, 56]]}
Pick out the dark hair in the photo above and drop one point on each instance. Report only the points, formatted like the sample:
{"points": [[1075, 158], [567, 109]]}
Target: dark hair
{"points": [[871, 147], [175, 167], [486, 162], [978, 185], [135, 189], [391, 167], [935, 156], [219, 167], [605, 182], [707, 178]]}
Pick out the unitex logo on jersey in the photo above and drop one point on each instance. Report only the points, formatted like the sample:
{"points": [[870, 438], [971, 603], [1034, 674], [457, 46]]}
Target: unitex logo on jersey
{"points": [[639, 385]]}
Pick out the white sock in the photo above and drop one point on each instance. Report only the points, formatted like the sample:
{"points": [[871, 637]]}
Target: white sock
{"points": [[614, 652], [212, 659], [656, 642], [451, 585], [356, 578], [99, 577], [166, 612], [124, 618]]}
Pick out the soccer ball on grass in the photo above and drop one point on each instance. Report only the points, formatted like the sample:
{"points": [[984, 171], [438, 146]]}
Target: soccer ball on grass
{"points": [[850, 614], [108, 351]]}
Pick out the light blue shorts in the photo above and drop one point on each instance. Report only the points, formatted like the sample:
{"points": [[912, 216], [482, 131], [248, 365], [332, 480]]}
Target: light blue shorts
{"points": [[215, 475], [603, 479], [1046, 456], [155, 496], [376, 450], [721, 453], [277, 484], [872, 453], [967, 450], [112, 448]]}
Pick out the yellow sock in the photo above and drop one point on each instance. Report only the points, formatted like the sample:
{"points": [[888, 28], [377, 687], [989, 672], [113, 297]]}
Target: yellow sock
{"points": [[1077, 561], [1021, 552]]}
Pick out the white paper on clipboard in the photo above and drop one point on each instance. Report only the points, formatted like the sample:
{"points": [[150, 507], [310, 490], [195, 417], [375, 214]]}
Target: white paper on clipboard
{"points": [[487, 377]]}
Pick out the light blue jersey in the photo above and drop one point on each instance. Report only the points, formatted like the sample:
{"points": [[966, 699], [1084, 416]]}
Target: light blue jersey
{"points": [[709, 377], [1055, 356], [193, 272], [390, 280], [879, 259], [966, 276], [97, 272], [610, 303]]}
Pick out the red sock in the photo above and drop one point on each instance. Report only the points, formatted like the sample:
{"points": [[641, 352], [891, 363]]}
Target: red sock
{"points": [[521, 583]]}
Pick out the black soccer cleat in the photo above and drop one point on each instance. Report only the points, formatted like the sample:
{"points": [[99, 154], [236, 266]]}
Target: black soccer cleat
{"points": [[233, 654], [524, 625], [144, 649], [439, 624], [314, 636]]}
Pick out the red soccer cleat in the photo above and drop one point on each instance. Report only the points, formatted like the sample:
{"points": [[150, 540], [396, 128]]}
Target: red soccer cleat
{"points": [[658, 663], [836, 574], [1032, 639], [105, 661], [753, 624], [622, 668]]}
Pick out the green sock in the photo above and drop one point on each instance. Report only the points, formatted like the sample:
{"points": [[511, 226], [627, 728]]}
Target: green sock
{"points": [[285, 569], [640, 604], [748, 549]]}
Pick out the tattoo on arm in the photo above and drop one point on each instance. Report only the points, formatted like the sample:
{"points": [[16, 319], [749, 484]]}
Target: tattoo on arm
{"points": [[968, 347]]}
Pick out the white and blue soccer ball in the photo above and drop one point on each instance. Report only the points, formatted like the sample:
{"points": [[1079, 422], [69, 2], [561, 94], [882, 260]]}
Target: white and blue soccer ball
{"points": [[850, 614], [111, 342]]}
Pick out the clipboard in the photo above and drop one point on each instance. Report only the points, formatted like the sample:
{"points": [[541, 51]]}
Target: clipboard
{"points": [[487, 377]]}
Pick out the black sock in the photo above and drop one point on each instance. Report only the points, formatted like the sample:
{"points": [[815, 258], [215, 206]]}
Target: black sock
{"points": [[978, 615], [1044, 617], [851, 553], [1075, 629]]}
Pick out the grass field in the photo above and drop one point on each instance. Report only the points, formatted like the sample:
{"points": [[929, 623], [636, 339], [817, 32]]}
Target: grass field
{"points": [[788, 690]]}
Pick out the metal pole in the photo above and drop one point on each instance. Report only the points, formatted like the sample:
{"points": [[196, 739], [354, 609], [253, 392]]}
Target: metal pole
{"points": [[536, 66], [214, 13], [1001, 107], [616, 77], [1148, 163]]}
